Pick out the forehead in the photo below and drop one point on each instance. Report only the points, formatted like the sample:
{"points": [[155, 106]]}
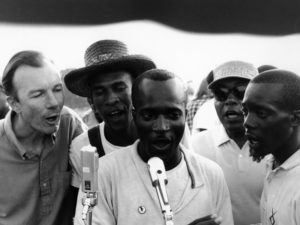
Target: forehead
{"points": [[106, 78], [28, 77], [263, 94], [161, 92]]}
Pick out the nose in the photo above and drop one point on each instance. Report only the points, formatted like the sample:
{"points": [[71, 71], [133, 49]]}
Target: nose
{"points": [[112, 98], [161, 124], [52, 101], [249, 122], [231, 99]]}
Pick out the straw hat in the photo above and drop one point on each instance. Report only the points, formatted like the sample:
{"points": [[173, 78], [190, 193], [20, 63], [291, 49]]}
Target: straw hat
{"points": [[233, 69], [103, 56]]}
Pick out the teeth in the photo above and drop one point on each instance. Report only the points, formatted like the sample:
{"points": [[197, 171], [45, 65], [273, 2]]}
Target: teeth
{"points": [[114, 113], [232, 116]]}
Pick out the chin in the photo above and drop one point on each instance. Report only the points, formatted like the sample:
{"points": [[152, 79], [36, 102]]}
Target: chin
{"points": [[257, 154], [50, 131]]}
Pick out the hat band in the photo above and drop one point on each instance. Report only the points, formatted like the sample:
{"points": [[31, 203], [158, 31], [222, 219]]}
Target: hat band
{"points": [[100, 58]]}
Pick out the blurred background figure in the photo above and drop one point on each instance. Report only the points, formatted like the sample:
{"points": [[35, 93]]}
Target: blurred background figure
{"points": [[203, 94], [226, 143], [206, 116], [4, 108], [266, 67]]}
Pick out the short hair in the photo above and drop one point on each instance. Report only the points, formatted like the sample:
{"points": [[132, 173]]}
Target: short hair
{"points": [[290, 93], [28, 58], [155, 75], [266, 67]]}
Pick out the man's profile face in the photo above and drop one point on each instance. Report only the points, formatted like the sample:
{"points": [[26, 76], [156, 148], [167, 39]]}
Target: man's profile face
{"points": [[39, 98], [229, 94], [267, 122], [111, 96], [160, 118]]}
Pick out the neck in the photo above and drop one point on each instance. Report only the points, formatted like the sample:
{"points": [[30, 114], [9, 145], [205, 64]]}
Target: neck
{"points": [[286, 150], [169, 163], [122, 137]]}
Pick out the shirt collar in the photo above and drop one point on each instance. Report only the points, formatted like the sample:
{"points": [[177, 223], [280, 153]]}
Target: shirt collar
{"points": [[292, 161], [219, 135], [196, 175], [13, 139]]}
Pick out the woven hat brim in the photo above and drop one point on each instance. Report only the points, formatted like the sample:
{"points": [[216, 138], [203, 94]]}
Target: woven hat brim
{"points": [[214, 83], [77, 81]]}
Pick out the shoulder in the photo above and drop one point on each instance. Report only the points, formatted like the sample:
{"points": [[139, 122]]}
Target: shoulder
{"points": [[203, 143], [71, 122], [81, 140], [203, 165], [203, 135], [69, 114], [116, 159]]}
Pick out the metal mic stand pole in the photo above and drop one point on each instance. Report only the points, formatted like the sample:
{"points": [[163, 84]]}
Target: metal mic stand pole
{"points": [[88, 202]]}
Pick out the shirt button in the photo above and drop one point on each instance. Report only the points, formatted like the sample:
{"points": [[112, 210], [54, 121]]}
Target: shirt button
{"points": [[44, 184]]}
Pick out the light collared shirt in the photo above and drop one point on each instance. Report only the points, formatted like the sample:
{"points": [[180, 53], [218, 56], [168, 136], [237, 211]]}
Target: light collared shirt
{"points": [[244, 177], [33, 187], [280, 202], [126, 195]]}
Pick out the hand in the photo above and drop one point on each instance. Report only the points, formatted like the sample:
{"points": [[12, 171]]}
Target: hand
{"points": [[207, 220]]}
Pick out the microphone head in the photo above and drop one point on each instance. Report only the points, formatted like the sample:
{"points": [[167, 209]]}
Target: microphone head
{"points": [[156, 169], [89, 164]]}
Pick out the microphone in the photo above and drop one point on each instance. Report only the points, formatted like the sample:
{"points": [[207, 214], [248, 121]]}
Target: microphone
{"points": [[159, 181], [89, 164]]}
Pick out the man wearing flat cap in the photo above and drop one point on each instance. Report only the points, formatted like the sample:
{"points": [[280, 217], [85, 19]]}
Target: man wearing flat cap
{"points": [[227, 145], [106, 80]]}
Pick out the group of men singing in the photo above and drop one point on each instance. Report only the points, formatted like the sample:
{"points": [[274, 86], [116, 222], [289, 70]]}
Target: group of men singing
{"points": [[243, 171]]}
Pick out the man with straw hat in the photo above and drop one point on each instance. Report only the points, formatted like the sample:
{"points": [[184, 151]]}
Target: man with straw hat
{"points": [[106, 81]]}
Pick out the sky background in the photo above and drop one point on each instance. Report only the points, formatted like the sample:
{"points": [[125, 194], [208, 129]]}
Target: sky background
{"points": [[189, 55]]}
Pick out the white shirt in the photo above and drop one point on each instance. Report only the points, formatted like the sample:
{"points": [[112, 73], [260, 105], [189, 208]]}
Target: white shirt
{"points": [[206, 117], [280, 202], [126, 195], [244, 177]]}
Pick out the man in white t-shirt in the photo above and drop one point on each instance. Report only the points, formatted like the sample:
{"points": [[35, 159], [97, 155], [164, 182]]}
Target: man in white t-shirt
{"points": [[196, 187], [226, 143], [272, 120]]}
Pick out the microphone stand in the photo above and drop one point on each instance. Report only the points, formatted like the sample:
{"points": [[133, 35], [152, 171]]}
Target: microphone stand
{"points": [[88, 201], [159, 181], [89, 163]]}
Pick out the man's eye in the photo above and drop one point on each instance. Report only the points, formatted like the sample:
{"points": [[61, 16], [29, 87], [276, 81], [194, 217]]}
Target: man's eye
{"points": [[174, 115], [98, 92], [58, 89], [261, 114], [120, 88], [36, 94], [147, 116]]}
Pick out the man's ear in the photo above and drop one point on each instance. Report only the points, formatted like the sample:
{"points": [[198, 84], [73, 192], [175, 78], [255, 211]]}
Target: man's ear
{"points": [[296, 118], [14, 104]]}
